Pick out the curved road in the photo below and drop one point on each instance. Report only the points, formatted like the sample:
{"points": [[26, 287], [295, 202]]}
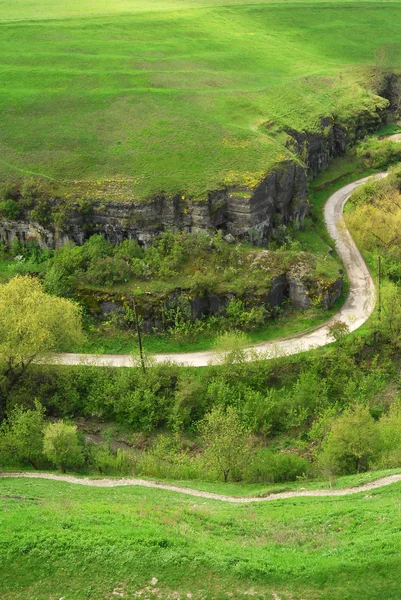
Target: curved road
{"points": [[367, 487], [356, 310]]}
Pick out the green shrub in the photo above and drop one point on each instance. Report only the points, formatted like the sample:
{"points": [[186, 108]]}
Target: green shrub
{"points": [[128, 249], [225, 440], [21, 438], [57, 282], [167, 459], [42, 213], [108, 271], [203, 283], [96, 247], [107, 462], [61, 445], [10, 209], [241, 318], [190, 403], [70, 258], [389, 428], [9, 190], [266, 466], [352, 443]]}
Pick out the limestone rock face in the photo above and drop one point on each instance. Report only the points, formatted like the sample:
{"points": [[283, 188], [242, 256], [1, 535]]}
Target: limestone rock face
{"points": [[302, 295], [281, 198]]}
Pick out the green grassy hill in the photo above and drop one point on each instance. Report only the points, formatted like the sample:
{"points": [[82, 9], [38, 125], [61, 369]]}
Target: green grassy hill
{"points": [[63, 541], [181, 96]]}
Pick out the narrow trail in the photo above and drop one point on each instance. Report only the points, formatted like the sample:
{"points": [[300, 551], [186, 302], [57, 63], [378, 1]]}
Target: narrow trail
{"points": [[109, 482], [356, 310]]}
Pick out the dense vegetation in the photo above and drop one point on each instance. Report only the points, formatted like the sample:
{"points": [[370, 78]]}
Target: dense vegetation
{"points": [[168, 278], [295, 406], [142, 97], [104, 101], [298, 416]]}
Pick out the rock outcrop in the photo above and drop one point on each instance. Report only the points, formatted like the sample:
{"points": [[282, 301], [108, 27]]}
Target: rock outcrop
{"points": [[298, 292], [280, 198]]}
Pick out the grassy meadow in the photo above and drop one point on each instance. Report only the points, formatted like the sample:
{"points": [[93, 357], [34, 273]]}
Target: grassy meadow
{"points": [[63, 541], [176, 95]]}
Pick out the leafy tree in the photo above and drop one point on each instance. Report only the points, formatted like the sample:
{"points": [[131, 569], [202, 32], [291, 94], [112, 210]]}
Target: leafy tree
{"points": [[32, 323], [189, 402], [338, 331], [390, 323], [390, 437], [108, 270], [61, 445], [225, 440], [97, 247], [353, 441], [21, 439], [230, 348], [128, 249]]}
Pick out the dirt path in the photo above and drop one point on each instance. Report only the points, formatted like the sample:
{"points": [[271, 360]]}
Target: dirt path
{"points": [[356, 310], [367, 487]]}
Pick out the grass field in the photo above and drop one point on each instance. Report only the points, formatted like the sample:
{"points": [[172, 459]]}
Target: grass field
{"points": [[63, 541], [176, 95]]}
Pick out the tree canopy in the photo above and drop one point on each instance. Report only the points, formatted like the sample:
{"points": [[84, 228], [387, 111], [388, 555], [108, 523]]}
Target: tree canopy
{"points": [[32, 323]]}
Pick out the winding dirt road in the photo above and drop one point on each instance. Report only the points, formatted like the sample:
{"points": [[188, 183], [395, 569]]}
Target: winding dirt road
{"points": [[356, 310], [367, 487]]}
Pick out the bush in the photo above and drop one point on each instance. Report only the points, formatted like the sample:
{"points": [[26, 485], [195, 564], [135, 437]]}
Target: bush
{"points": [[128, 249], [167, 458], [352, 443], [108, 271], [10, 209], [21, 439], [108, 463], [203, 283], [266, 466], [70, 258], [42, 212], [97, 247], [390, 438], [225, 440], [9, 190], [241, 318], [61, 446], [57, 282], [190, 403]]}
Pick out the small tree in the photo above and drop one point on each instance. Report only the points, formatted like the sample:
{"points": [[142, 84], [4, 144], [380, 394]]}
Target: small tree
{"points": [[61, 446], [390, 437], [21, 439], [351, 443], [390, 323], [338, 331], [225, 440], [31, 324]]}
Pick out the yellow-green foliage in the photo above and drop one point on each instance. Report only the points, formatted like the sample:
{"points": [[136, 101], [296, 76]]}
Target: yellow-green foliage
{"points": [[32, 322], [376, 221], [61, 446]]}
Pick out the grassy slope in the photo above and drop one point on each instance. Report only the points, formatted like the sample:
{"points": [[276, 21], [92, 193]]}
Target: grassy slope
{"points": [[175, 98], [59, 540]]}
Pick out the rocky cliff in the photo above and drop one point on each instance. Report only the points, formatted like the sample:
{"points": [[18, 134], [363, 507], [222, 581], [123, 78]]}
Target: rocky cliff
{"points": [[280, 198]]}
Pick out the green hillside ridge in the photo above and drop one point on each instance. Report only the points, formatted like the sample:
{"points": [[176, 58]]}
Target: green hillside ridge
{"points": [[60, 540], [181, 96]]}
